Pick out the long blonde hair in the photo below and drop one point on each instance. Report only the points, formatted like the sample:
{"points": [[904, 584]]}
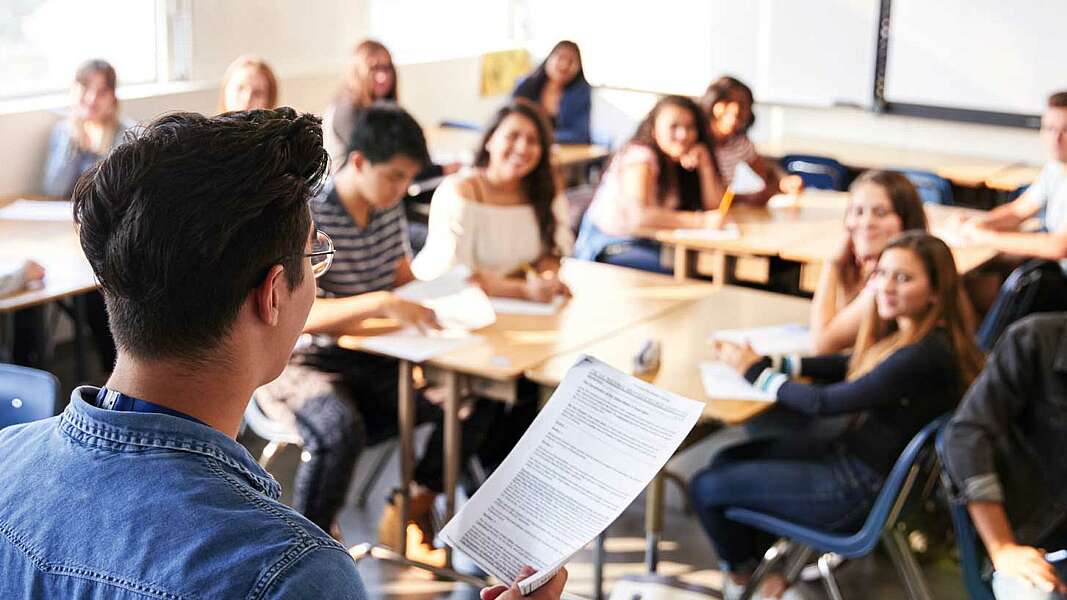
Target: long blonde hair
{"points": [[951, 310], [261, 66]]}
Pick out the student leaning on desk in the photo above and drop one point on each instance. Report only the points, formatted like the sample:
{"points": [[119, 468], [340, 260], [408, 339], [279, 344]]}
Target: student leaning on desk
{"points": [[1047, 198], [139, 488], [914, 357], [340, 400], [665, 177]]}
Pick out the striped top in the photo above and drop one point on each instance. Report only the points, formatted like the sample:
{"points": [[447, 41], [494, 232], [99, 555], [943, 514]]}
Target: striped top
{"points": [[365, 260], [731, 152], [366, 257]]}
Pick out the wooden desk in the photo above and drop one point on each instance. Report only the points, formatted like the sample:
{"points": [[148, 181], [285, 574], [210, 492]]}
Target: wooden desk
{"points": [[606, 300], [963, 170], [764, 231], [55, 245], [684, 332], [1010, 178], [805, 231]]}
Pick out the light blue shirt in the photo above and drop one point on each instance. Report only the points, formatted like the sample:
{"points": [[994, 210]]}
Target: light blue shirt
{"points": [[1050, 191], [66, 161], [109, 504]]}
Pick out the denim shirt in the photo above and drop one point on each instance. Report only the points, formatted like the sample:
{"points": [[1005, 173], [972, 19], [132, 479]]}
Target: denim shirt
{"points": [[65, 161], [101, 504]]}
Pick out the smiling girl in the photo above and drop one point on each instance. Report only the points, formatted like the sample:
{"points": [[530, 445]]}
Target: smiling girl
{"points": [[914, 357], [881, 205], [503, 218], [558, 85], [665, 177]]}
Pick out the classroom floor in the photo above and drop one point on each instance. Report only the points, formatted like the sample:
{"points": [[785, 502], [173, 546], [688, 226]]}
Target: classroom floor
{"points": [[685, 553]]}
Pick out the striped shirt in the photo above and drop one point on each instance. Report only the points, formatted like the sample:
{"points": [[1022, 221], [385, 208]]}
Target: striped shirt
{"points": [[365, 260], [731, 152]]}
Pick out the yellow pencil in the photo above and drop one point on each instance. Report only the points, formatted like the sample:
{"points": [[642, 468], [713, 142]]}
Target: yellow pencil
{"points": [[727, 200]]}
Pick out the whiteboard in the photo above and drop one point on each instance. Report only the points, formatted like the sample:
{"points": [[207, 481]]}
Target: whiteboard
{"points": [[985, 55], [815, 52]]}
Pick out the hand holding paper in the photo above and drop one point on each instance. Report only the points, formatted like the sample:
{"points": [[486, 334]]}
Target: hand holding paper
{"points": [[595, 445]]}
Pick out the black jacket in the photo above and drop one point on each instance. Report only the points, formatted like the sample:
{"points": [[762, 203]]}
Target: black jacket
{"points": [[1008, 440]]}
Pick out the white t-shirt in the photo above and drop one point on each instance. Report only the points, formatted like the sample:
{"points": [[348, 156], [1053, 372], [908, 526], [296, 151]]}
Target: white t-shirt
{"points": [[1050, 191], [486, 237]]}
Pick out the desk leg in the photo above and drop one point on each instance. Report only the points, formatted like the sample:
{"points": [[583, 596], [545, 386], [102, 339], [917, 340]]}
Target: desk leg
{"points": [[406, 426], [682, 264], [718, 268], [653, 522], [453, 448]]}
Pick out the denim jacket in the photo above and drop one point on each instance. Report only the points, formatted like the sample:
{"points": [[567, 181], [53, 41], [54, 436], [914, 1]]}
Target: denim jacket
{"points": [[1006, 442], [101, 504], [66, 161]]}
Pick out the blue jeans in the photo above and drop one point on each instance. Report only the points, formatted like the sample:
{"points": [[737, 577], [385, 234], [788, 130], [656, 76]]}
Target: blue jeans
{"points": [[636, 253], [823, 490]]}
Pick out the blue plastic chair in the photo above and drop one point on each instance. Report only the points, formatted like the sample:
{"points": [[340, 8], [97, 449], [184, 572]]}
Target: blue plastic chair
{"points": [[970, 548], [26, 395], [879, 526], [932, 188], [819, 172]]}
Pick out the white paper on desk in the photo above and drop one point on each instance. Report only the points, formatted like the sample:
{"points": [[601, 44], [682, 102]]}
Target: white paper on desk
{"points": [[729, 232], [600, 439], [38, 210], [515, 306], [792, 338], [722, 382], [457, 303], [415, 346], [746, 181]]}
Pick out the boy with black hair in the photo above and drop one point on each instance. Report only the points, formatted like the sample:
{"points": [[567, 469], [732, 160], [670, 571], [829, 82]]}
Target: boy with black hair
{"points": [[342, 400], [200, 235]]}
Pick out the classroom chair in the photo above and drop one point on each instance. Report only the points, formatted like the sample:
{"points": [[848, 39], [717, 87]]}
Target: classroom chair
{"points": [[26, 395], [278, 436], [820, 172], [1033, 287], [932, 188], [881, 525], [971, 551]]}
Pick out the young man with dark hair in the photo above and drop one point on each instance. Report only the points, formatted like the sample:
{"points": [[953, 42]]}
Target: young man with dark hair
{"points": [[200, 235], [342, 400], [1045, 198], [1005, 453]]}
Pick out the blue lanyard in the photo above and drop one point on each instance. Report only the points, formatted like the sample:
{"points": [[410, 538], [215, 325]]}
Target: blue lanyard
{"points": [[112, 400]]}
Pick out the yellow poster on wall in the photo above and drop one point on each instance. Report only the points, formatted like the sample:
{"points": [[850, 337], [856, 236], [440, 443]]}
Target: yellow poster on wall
{"points": [[502, 70]]}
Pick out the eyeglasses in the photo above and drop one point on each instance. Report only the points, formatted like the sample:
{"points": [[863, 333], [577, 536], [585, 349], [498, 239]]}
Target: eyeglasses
{"points": [[321, 254]]}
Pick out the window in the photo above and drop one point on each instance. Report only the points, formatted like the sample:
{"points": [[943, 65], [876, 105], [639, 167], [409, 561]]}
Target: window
{"points": [[43, 41]]}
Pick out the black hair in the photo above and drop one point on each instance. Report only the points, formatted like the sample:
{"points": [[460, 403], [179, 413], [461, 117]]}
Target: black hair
{"points": [[690, 195], [187, 216], [539, 185], [723, 89], [532, 86], [384, 130]]}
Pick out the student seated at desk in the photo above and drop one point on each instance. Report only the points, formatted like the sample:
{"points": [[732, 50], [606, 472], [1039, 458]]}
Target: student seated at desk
{"points": [[248, 84], [504, 218], [342, 400], [999, 228], [371, 78], [728, 105], [914, 357], [558, 85], [665, 177], [1005, 454], [91, 129], [139, 489], [881, 205]]}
